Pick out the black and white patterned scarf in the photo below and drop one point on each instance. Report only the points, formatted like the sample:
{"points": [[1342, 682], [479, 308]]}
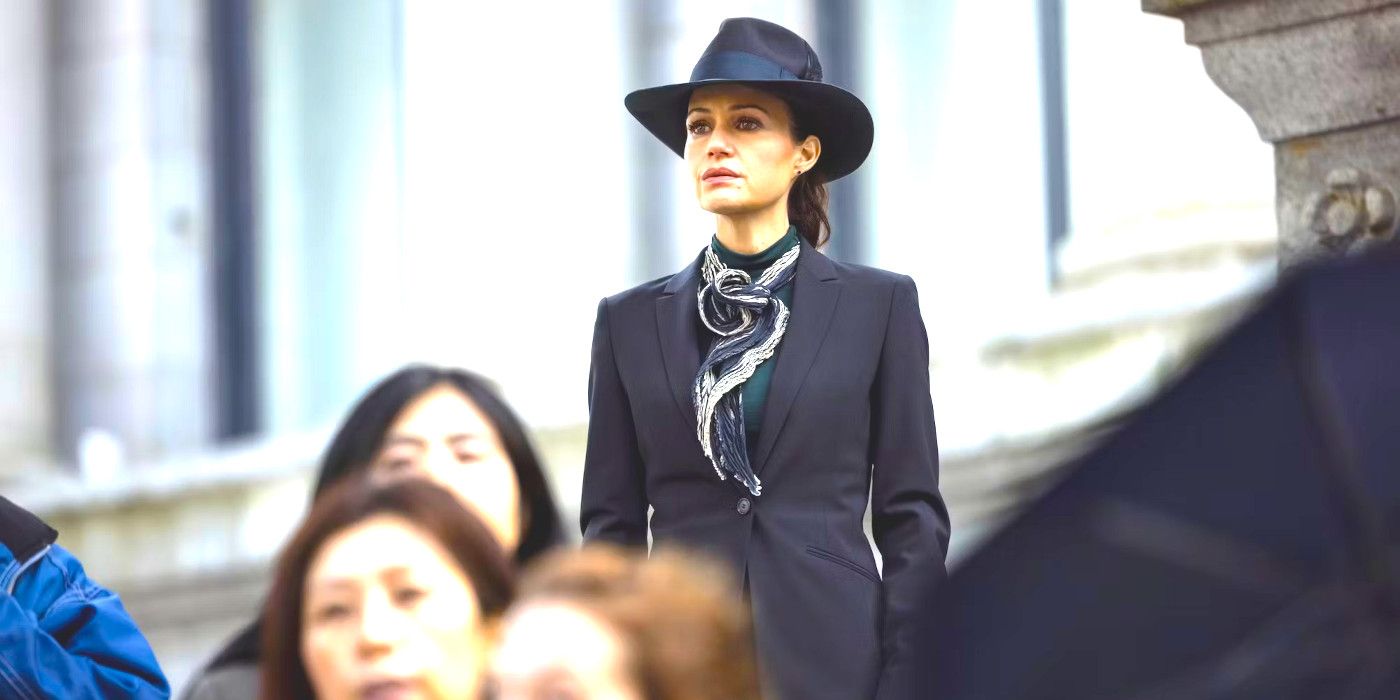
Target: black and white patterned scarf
{"points": [[749, 320]]}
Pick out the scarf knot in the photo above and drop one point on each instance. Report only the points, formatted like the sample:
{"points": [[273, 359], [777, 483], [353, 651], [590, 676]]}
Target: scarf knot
{"points": [[749, 321]]}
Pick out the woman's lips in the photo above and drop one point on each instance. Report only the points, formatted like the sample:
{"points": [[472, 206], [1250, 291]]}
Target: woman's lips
{"points": [[389, 690], [719, 176]]}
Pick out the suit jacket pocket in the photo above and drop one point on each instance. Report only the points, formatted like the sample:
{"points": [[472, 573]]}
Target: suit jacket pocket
{"points": [[842, 561]]}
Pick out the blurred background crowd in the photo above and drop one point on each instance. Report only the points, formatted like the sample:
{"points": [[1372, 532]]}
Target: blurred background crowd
{"points": [[223, 222]]}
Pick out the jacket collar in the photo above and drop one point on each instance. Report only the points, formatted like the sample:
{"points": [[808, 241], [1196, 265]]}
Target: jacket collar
{"points": [[22, 532], [809, 261], [23, 540], [816, 290]]}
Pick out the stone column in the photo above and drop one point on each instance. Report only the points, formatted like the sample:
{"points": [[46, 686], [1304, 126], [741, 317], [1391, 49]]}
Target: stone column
{"points": [[1321, 80], [130, 311], [24, 224]]}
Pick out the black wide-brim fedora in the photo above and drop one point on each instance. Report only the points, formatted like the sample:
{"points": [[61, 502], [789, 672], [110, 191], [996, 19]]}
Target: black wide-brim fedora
{"points": [[771, 58]]}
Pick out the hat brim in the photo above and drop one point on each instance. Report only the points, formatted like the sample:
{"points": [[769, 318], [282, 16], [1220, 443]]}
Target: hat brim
{"points": [[835, 116]]}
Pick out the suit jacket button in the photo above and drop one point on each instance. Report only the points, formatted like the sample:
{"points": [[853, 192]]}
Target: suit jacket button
{"points": [[745, 505]]}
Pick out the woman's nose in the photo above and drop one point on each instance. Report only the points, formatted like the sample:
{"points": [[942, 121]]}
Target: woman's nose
{"points": [[719, 144], [438, 459], [381, 627]]}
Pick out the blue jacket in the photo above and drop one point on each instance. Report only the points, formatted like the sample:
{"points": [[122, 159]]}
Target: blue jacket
{"points": [[61, 634]]}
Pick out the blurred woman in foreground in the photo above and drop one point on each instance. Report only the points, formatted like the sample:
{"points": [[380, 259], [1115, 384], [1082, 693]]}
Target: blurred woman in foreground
{"points": [[602, 624], [384, 592], [449, 426]]}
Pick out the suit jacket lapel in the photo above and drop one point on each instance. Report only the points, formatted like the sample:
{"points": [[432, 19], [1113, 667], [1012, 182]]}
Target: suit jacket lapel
{"points": [[676, 321], [814, 297]]}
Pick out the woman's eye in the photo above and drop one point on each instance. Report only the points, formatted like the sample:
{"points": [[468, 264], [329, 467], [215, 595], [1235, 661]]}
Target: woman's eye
{"points": [[332, 613], [698, 128], [399, 464], [748, 123], [409, 596]]}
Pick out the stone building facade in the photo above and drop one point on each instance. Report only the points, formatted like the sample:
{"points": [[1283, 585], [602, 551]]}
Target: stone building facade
{"points": [[362, 138]]}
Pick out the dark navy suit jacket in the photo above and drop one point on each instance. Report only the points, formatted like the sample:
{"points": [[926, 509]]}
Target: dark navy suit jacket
{"points": [[850, 391]]}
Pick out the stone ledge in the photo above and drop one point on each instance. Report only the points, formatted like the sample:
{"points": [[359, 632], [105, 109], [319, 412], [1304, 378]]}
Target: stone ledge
{"points": [[1188, 236], [234, 592], [1219, 20], [1070, 320], [56, 493], [53, 492], [1299, 67]]}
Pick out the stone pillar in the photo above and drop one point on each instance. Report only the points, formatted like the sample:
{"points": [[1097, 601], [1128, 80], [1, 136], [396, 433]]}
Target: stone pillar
{"points": [[1321, 80], [24, 224], [130, 311]]}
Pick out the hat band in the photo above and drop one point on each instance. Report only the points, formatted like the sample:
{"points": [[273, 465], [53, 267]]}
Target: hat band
{"points": [[738, 65]]}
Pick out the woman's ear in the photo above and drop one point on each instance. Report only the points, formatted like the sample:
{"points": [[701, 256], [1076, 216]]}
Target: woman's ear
{"points": [[808, 153]]}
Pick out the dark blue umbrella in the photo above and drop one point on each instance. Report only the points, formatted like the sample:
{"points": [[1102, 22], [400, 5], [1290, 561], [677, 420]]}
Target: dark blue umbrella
{"points": [[1236, 538]]}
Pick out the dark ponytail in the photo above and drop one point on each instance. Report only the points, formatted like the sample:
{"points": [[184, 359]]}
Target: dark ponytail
{"points": [[807, 208], [807, 201]]}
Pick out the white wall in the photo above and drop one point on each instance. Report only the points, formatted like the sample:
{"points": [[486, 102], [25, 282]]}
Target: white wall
{"points": [[516, 192], [1149, 134], [956, 186], [1159, 161]]}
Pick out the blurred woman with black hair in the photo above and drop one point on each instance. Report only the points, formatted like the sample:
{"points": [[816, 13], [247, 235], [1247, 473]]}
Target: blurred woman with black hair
{"points": [[449, 426]]}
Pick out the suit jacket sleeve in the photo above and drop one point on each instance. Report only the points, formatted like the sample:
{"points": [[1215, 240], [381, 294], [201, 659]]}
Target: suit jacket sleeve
{"points": [[614, 505], [910, 521]]}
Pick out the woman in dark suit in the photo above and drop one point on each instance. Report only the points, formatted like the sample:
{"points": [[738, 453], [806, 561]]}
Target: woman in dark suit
{"points": [[759, 399]]}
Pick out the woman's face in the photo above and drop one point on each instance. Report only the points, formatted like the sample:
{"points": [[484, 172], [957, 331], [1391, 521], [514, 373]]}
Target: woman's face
{"points": [[444, 437], [387, 614], [554, 651], [740, 149]]}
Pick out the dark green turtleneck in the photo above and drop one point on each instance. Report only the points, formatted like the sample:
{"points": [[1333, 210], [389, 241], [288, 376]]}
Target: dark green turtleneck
{"points": [[755, 390]]}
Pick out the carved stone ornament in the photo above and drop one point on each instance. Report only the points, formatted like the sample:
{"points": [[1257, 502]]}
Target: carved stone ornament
{"points": [[1354, 211]]}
